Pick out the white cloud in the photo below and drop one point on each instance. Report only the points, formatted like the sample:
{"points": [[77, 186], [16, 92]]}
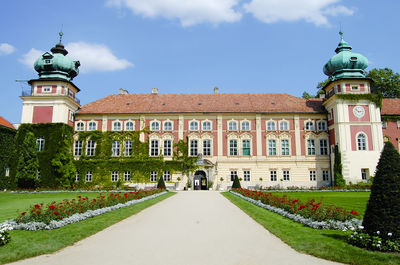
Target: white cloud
{"points": [[30, 57], [313, 11], [6, 49], [189, 12], [95, 57]]}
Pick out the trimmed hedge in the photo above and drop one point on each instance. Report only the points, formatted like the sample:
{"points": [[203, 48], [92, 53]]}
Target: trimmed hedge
{"points": [[7, 136]]}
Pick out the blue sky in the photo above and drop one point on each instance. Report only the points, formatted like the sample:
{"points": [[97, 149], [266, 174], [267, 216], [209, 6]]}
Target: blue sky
{"points": [[190, 46]]}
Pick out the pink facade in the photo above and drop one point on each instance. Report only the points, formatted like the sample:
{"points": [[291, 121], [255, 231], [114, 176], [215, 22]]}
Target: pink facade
{"points": [[355, 130], [42, 114], [353, 118], [392, 132]]}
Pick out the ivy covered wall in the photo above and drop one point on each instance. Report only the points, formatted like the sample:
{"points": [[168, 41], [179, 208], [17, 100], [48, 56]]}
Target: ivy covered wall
{"points": [[6, 146]]}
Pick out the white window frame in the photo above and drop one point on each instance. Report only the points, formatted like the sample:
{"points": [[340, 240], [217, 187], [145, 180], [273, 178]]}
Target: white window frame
{"points": [[116, 148], [40, 143], [193, 147], [362, 146], [127, 176], [91, 127], [384, 124], [117, 126], [207, 148], [77, 176], [273, 176], [313, 175], [398, 124], [232, 125], [271, 125], [193, 126], [167, 176], [167, 150], [323, 148], [309, 126], [243, 128], [233, 174], [168, 128], [114, 176], [283, 127], [154, 147], [311, 148], [153, 176], [155, 126], [271, 147], [46, 89], [89, 176], [128, 127], [233, 148], [243, 147], [90, 148], [364, 173], [128, 147], [285, 149], [322, 126], [286, 175], [206, 128], [78, 147], [80, 126], [246, 175], [325, 175]]}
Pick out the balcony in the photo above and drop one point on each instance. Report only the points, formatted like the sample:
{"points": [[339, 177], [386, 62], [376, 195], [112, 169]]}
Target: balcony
{"points": [[28, 93]]}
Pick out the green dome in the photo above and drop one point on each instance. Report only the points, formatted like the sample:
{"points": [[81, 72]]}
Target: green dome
{"points": [[346, 64], [56, 64]]}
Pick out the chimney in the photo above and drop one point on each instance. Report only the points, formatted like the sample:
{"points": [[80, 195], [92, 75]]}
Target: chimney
{"points": [[123, 91], [322, 95], [216, 90], [154, 91]]}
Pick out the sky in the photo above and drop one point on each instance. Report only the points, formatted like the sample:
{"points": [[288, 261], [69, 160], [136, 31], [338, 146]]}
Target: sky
{"points": [[191, 46]]}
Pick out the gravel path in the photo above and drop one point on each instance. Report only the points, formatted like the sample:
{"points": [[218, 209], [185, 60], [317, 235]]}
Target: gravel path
{"points": [[197, 227]]}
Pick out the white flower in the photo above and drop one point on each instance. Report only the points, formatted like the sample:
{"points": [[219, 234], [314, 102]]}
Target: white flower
{"points": [[361, 227], [389, 234], [378, 232]]}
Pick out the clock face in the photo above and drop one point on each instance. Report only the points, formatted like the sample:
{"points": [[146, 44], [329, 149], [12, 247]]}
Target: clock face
{"points": [[359, 111]]}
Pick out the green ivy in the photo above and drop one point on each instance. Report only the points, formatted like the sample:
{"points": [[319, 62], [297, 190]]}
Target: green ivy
{"points": [[7, 136], [376, 98], [390, 117]]}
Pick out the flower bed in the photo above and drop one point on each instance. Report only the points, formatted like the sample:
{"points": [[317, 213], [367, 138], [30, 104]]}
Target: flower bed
{"points": [[58, 214], [311, 214], [4, 235], [377, 242]]}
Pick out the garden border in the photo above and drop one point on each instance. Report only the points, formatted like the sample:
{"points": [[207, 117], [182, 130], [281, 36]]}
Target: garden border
{"points": [[331, 224], [34, 226]]}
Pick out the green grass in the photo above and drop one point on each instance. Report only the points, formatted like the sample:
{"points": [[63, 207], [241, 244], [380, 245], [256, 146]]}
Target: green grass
{"points": [[13, 203], [25, 244], [326, 244], [356, 201]]}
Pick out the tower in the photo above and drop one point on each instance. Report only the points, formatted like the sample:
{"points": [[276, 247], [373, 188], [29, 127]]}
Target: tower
{"points": [[353, 116], [52, 97]]}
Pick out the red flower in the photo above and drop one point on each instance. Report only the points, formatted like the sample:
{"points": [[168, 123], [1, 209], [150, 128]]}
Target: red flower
{"points": [[23, 213], [37, 206], [52, 207], [55, 213], [67, 212], [354, 212], [38, 212]]}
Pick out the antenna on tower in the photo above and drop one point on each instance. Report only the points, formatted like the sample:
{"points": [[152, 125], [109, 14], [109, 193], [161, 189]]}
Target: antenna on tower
{"points": [[25, 87]]}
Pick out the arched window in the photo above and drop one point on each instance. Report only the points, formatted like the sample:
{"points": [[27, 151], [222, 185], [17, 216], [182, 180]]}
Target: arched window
{"points": [[117, 126], [80, 126], [271, 126], [245, 126], [194, 126], [283, 126], [130, 126], [92, 126], [309, 126], [206, 126], [40, 143], [155, 126], [167, 126], [361, 142], [232, 126]]}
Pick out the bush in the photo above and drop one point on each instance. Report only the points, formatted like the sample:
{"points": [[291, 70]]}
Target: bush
{"points": [[383, 208], [337, 168], [161, 183], [4, 235], [236, 183]]}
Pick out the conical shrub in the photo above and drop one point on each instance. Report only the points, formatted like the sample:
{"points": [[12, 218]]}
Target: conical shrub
{"points": [[383, 208], [236, 183], [161, 183]]}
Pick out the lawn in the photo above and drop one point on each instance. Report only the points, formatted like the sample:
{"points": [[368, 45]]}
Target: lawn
{"points": [[327, 244], [13, 203], [25, 244], [356, 201]]}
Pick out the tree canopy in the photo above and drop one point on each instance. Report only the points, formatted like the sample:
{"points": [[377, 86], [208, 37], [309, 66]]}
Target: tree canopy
{"points": [[386, 82]]}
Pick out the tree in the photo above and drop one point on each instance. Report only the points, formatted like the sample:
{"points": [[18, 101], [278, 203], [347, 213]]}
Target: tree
{"points": [[383, 208], [161, 183], [386, 82], [63, 163], [306, 95], [27, 165], [337, 168], [236, 183]]}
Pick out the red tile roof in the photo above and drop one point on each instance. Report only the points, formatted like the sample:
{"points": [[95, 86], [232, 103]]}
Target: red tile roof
{"points": [[205, 103], [6, 123], [390, 106]]}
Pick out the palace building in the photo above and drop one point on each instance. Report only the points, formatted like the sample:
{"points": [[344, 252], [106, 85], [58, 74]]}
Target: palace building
{"points": [[264, 139]]}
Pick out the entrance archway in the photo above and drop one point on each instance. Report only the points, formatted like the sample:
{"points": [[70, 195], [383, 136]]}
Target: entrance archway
{"points": [[200, 180]]}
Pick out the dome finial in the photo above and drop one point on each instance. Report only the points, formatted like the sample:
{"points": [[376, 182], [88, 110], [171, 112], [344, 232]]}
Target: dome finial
{"points": [[341, 33], [60, 34]]}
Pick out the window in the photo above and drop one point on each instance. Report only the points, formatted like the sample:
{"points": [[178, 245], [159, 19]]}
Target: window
{"points": [[364, 173], [167, 148], [246, 147], [233, 174], [285, 147], [194, 126], [127, 176], [398, 124], [153, 176], [78, 148], [90, 147], [89, 176], [309, 126], [167, 176], [207, 147], [271, 126], [206, 126], [40, 143], [283, 126], [71, 93], [116, 148], [325, 175], [80, 126], [114, 176], [322, 126], [233, 150], [7, 173], [246, 175], [272, 147], [38, 174], [323, 147], [155, 126], [117, 126], [384, 124], [354, 87], [273, 175], [361, 142], [46, 89], [128, 148], [167, 126], [194, 150], [154, 145], [77, 176], [310, 147], [129, 126], [313, 175], [286, 175], [232, 126], [92, 126], [71, 116], [245, 126]]}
